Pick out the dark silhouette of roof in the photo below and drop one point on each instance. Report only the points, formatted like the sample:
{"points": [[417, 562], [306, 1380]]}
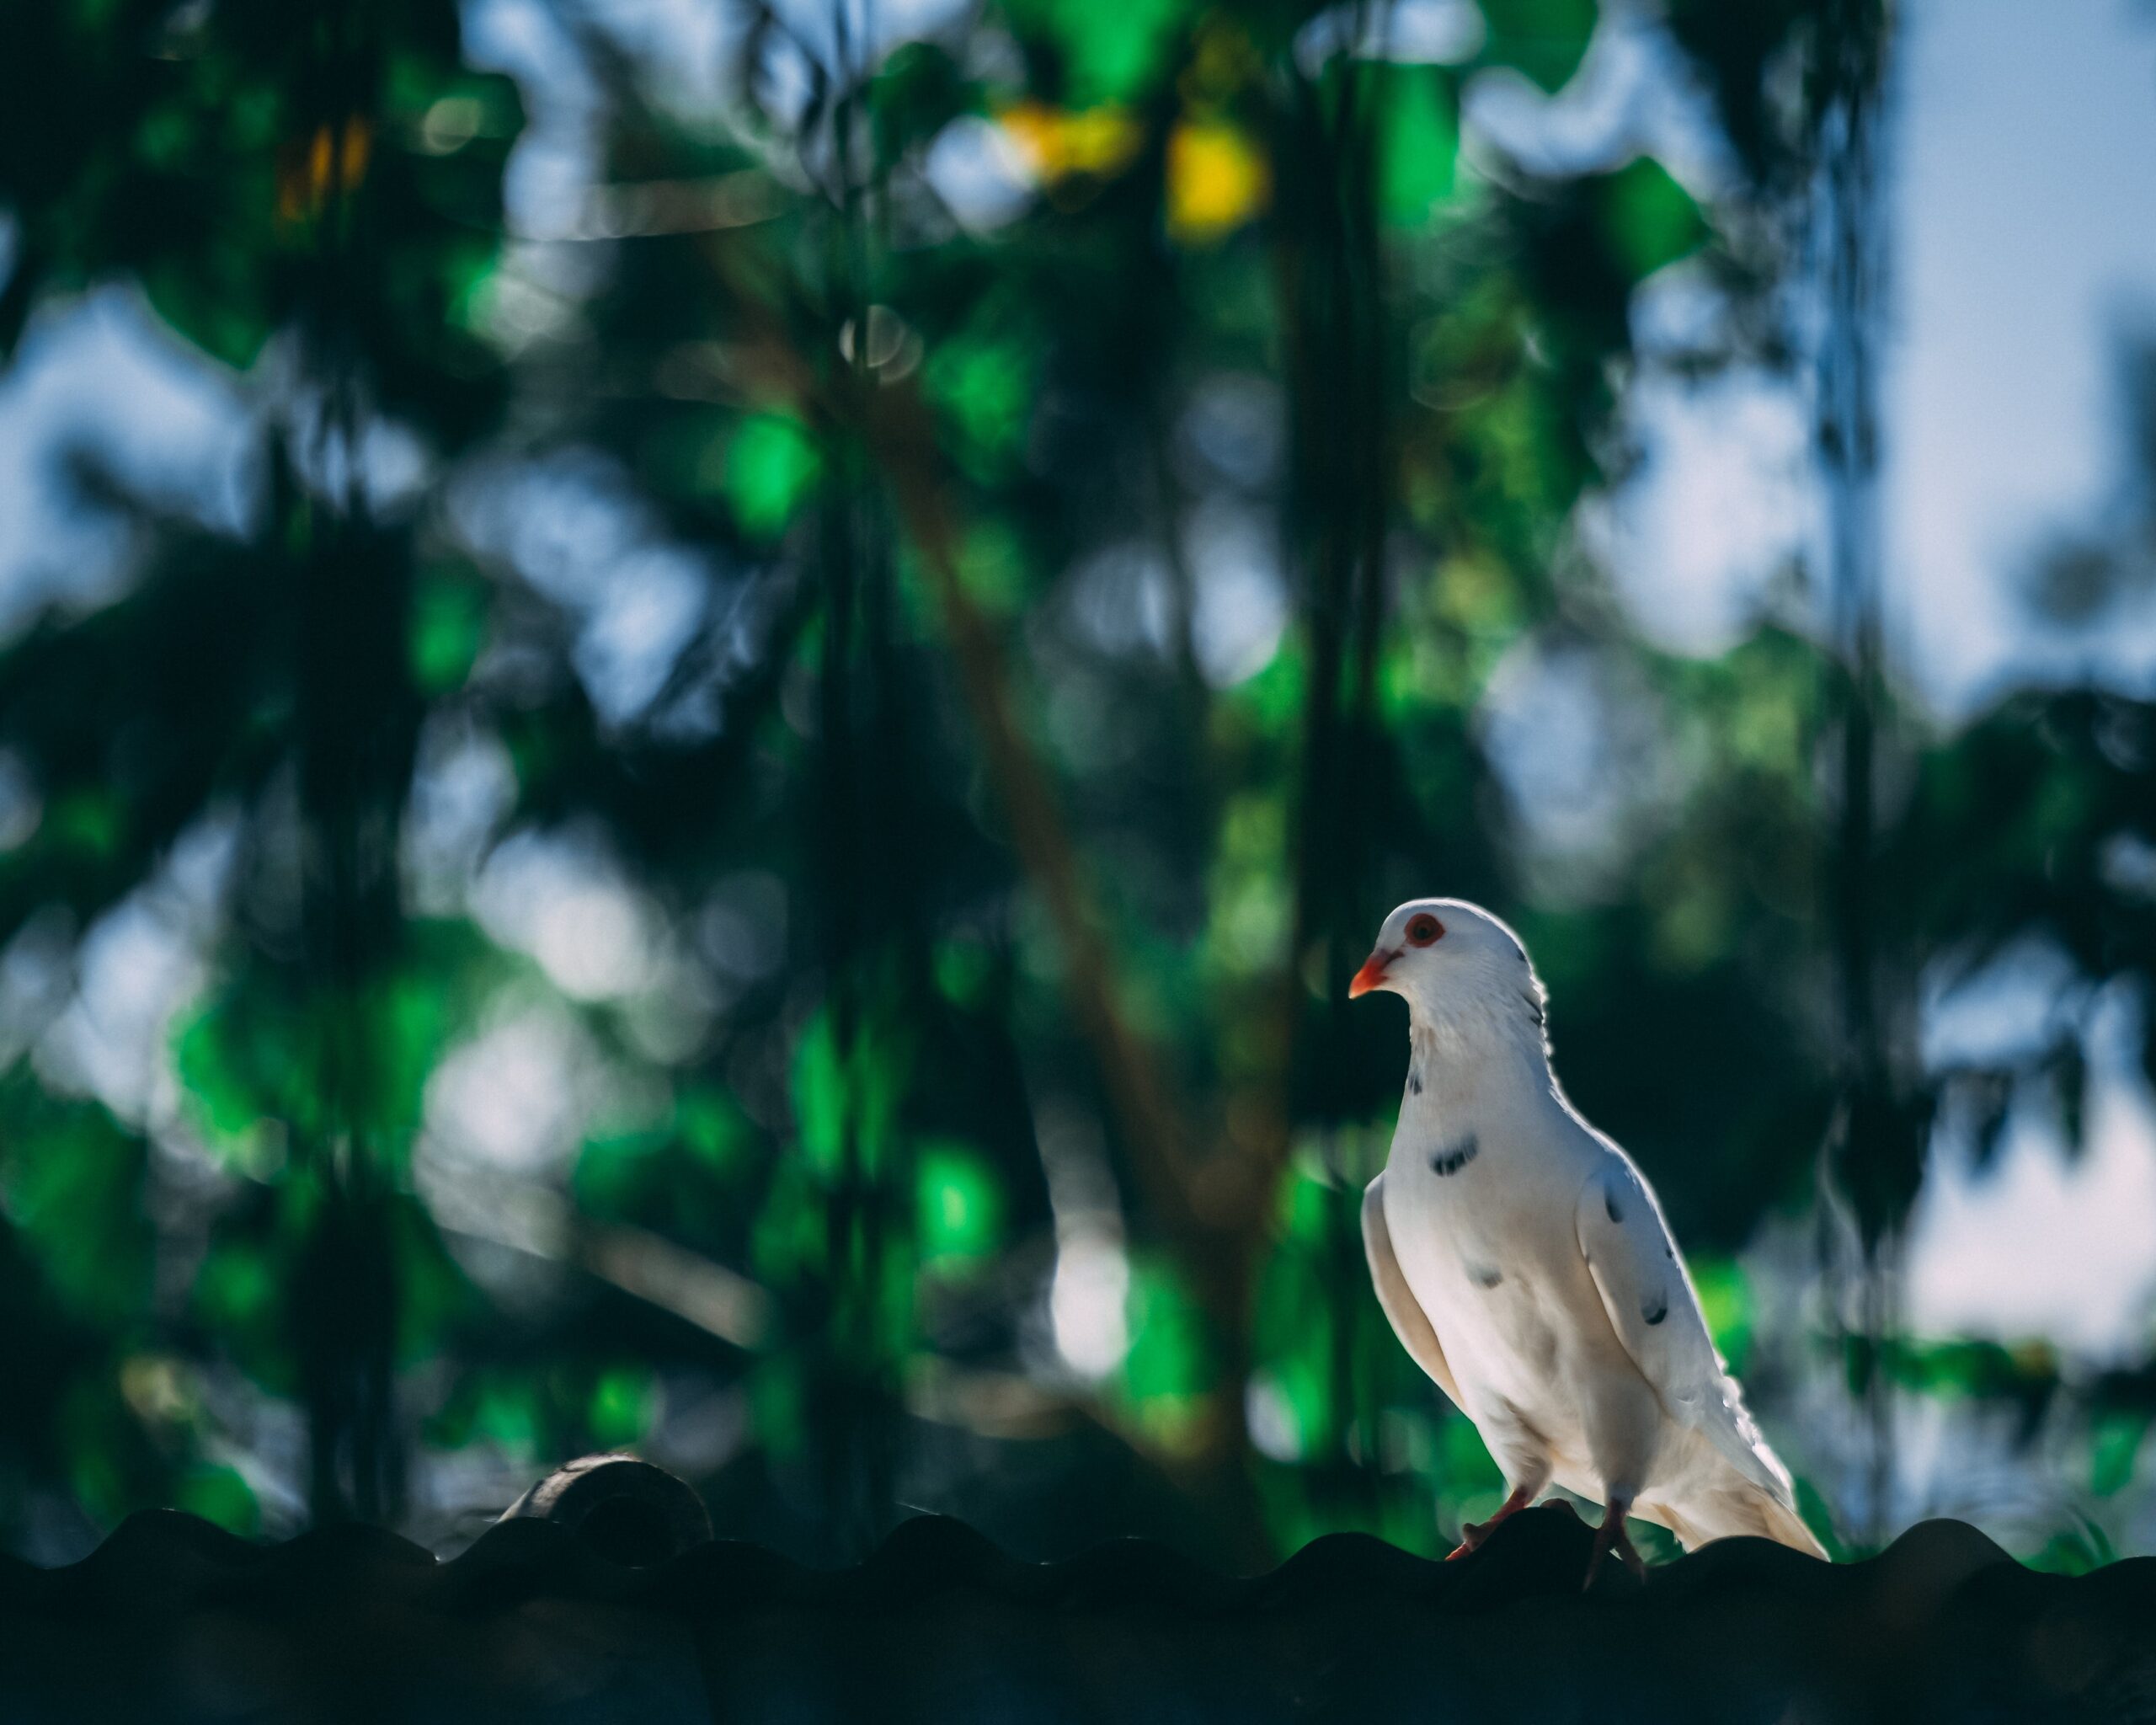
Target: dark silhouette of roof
{"points": [[171, 1619]]}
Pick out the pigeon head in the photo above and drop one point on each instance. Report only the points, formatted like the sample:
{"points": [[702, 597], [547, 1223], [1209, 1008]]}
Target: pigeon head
{"points": [[1453, 961]]}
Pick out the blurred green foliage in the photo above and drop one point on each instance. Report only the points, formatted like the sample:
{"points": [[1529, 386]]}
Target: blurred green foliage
{"points": [[926, 1077]]}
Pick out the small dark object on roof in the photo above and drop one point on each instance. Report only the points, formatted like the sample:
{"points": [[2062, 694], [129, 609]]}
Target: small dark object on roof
{"points": [[625, 1510], [171, 1618]]}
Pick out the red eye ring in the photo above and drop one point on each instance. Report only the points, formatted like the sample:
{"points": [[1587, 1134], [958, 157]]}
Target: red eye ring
{"points": [[1423, 929]]}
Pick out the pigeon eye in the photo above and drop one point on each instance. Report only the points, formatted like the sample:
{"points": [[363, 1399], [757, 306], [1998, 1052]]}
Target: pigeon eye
{"points": [[1423, 929]]}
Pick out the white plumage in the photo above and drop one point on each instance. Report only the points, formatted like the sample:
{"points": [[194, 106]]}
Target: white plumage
{"points": [[1524, 1263]]}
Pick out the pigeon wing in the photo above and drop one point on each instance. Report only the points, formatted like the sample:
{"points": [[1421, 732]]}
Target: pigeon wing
{"points": [[1657, 1317], [1409, 1321]]}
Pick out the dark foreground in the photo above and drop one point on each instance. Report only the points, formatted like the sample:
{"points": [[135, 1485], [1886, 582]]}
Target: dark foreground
{"points": [[171, 1619]]}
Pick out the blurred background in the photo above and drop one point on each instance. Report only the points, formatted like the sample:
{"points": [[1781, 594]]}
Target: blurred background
{"points": [[702, 703]]}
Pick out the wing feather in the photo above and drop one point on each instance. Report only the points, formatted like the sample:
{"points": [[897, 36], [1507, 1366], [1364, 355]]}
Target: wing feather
{"points": [[1409, 1321], [1656, 1314]]}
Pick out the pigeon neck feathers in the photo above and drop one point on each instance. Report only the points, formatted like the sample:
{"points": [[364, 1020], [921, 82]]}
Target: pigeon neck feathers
{"points": [[1490, 1019]]}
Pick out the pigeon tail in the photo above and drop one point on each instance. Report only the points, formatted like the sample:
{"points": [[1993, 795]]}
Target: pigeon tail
{"points": [[1733, 1513]]}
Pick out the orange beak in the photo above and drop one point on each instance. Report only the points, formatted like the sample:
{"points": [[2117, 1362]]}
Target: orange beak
{"points": [[1371, 975]]}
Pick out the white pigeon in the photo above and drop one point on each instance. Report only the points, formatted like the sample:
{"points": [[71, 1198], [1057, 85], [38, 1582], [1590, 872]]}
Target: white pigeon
{"points": [[1526, 1266]]}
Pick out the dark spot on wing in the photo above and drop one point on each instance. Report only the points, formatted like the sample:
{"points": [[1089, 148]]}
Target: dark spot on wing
{"points": [[1670, 1253], [1484, 1275], [1533, 1007], [1414, 1083], [1454, 1157], [1609, 1203], [1656, 1309]]}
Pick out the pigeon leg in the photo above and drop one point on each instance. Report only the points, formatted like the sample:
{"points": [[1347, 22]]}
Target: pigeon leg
{"points": [[1473, 1533], [1611, 1537]]}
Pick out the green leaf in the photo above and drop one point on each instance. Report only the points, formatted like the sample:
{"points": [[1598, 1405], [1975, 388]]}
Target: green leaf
{"points": [[1646, 219], [771, 466], [508, 1413], [984, 388], [221, 1495], [1546, 39], [1108, 53], [787, 1240], [88, 823], [1464, 1459], [1419, 150], [215, 303], [713, 1129], [623, 1403], [2075, 1551], [239, 1297], [2114, 1442], [248, 1056], [1169, 1366], [72, 1182], [963, 970], [449, 626], [958, 1208], [778, 1404], [858, 1096]]}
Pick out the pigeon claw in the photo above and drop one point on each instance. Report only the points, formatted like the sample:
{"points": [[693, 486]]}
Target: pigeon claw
{"points": [[1611, 1537], [1473, 1533]]}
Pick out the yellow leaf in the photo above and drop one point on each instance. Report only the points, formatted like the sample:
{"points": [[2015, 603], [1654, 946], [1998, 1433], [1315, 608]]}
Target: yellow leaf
{"points": [[1216, 181], [1058, 143]]}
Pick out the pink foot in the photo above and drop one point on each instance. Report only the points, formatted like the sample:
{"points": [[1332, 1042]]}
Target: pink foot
{"points": [[1609, 1537], [1473, 1533]]}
